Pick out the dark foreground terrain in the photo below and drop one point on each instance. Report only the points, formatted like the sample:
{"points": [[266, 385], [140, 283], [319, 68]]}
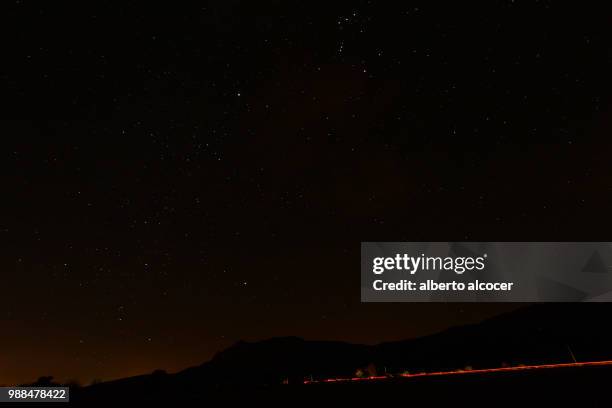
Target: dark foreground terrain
{"points": [[291, 371], [273, 372], [579, 386]]}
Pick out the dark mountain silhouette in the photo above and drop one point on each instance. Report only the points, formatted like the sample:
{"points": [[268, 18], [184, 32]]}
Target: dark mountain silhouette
{"points": [[550, 333], [272, 361], [536, 334]]}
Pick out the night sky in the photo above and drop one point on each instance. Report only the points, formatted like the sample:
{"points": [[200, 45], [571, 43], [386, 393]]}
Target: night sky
{"points": [[176, 178]]}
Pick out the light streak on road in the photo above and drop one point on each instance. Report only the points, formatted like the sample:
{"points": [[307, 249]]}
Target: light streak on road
{"points": [[460, 372]]}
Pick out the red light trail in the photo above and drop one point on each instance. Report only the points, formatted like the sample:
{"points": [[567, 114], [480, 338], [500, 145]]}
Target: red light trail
{"points": [[459, 372]]}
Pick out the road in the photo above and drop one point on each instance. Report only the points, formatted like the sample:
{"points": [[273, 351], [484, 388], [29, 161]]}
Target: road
{"points": [[467, 372]]}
